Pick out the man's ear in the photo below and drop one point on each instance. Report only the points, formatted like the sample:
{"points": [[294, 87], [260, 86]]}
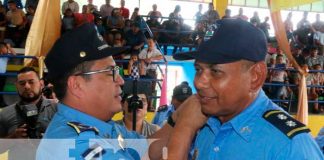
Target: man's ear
{"points": [[259, 74], [42, 83], [74, 86]]}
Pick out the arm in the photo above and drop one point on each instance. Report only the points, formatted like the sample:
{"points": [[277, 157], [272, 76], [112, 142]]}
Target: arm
{"points": [[178, 139]]}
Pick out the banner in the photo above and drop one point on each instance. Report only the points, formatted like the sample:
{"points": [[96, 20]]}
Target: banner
{"points": [[220, 6], [45, 29]]}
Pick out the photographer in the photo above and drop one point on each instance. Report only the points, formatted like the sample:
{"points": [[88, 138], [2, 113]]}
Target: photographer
{"points": [[29, 117], [142, 126]]}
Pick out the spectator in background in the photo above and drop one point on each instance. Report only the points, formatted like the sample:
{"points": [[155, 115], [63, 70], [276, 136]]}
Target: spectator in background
{"points": [[135, 67], [74, 6], [304, 22], [318, 23], [30, 16], [211, 16], [227, 14], [135, 38], [199, 33], [255, 20], [106, 9], [3, 21], [198, 15], [278, 76], [142, 126], [180, 94], [32, 3], [319, 39], [289, 27], [148, 56], [155, 14], [170, 35], [68, 21], [5, 49], [297, 54], [115, 21], [16, 23], [314, 58], [265, 27], [135, 14], [316, 79], [91, 6], [18, 2], [84, 17], [176, 14], [241, 15], [124, 11], [13, 119], [320, 139]]}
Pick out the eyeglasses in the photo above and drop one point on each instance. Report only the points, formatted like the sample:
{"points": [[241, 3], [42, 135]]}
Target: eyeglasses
{"points": [[114, 69]]}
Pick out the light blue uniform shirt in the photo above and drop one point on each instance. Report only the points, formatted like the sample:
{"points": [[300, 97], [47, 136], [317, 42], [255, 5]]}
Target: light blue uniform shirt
{"points": [[162, 116], [320, 139], [248, 136], [62, 141]]}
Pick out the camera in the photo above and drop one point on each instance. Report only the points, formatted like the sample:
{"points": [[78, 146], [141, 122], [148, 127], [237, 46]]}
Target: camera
{"points": [[134, 102], [48, 92], [30, 112]]}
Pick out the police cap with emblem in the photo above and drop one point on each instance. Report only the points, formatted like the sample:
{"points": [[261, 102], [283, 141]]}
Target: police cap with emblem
{"points": [[77, 46], [233, 40], [182, 91]]}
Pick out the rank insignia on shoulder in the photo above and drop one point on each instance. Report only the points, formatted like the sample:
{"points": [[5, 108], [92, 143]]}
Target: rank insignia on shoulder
{"points": [[285, 123], [79, 128], [94, 152], [162, 108]]}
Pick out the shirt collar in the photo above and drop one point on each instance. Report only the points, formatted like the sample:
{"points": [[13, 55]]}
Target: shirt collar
{"points": [[243, 124], [74, 115]]}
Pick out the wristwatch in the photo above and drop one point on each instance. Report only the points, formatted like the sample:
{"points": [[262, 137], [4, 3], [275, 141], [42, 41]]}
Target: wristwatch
{"points": [[171, 121]]}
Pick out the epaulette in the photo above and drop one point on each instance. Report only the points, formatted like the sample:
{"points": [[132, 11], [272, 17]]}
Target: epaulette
{"points": [[285, 123], [163, 108], [79, 128]]}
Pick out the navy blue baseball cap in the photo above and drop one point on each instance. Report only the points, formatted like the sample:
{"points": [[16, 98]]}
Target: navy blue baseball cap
{"points": [[233, 40], [79, 45]]}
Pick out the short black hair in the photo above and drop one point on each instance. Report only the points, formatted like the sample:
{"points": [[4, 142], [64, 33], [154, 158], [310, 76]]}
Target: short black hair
{"points": [[12, 1], [60, 84], [27, 69]]}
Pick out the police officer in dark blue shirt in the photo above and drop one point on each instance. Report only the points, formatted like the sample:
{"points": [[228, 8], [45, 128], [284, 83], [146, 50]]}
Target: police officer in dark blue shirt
{"points": [[243, 123]]}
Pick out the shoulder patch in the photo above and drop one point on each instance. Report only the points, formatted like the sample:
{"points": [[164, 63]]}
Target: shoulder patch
{"points": [[163, 108], [285, 123], [79, 128]]}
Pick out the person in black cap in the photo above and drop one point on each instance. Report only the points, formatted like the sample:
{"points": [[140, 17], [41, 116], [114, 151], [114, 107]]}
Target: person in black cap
{"points": [[180, 94], [242, 122], [86, 80]]}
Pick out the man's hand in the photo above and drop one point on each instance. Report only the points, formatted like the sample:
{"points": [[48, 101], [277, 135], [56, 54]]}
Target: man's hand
{"points": [[188, 118], [189, 114], [20, 132]]}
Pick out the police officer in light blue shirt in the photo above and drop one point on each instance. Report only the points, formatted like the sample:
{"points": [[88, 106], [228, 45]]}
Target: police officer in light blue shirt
{"points": [[180, 94], [242, 123], [320, 139], [87, 82]]}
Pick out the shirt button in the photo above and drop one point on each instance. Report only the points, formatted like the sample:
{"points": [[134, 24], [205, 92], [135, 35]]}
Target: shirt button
{"points": [[216, 149]]}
